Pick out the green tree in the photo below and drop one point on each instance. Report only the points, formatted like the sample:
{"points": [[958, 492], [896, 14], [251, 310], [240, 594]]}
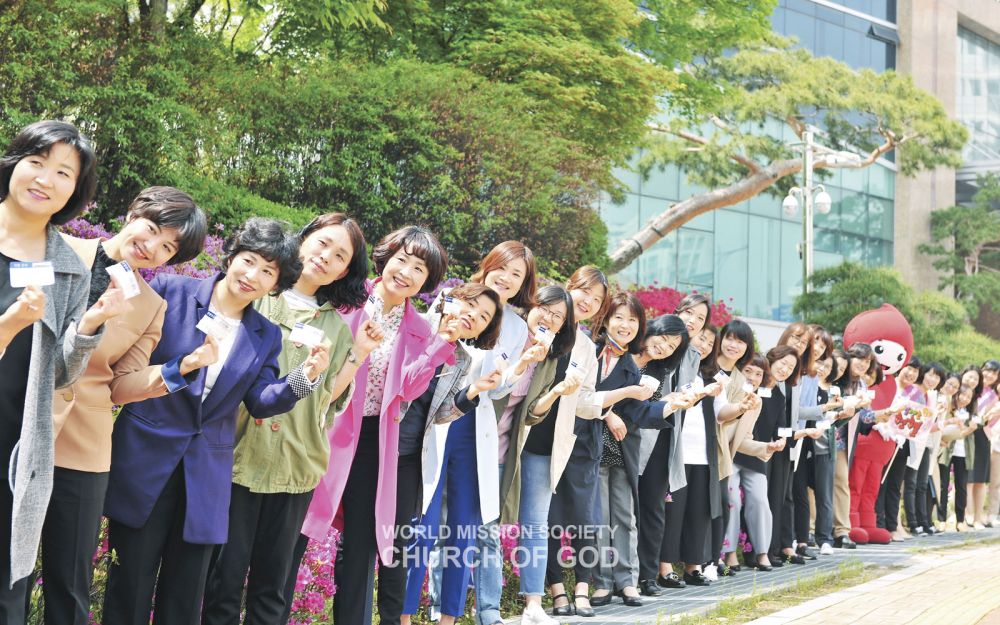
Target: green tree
{"points": [[727, 135], [966, 244], [940, 324]]}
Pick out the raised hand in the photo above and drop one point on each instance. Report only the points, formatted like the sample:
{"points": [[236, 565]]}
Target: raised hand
{"points": [[318, 361], [450, 328], [109, 305], [368, 338], [206, 354], [485, 384], [28, 308]]}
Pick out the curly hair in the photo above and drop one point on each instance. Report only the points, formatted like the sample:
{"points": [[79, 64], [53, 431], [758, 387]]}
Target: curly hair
{"points": [[269, 239]]}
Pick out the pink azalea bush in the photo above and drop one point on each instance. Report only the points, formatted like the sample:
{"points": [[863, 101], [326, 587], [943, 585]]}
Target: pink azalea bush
{"points": [[660, 300]]}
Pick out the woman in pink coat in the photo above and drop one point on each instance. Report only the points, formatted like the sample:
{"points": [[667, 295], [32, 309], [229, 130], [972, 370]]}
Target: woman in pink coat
{"points": [[358, 492]]}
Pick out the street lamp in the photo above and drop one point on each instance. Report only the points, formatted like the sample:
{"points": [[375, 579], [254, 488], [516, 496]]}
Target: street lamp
{"points": [[813, 197]]}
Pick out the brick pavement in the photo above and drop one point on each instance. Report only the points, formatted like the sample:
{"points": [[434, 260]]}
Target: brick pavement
{"points": [[980, 592]]}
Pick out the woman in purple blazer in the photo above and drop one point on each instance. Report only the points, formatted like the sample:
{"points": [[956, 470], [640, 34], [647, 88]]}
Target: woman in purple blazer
{"points": [[172, 453]]}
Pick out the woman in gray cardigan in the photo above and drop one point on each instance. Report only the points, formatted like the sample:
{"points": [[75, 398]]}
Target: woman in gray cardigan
{"points": [[47, 177]]}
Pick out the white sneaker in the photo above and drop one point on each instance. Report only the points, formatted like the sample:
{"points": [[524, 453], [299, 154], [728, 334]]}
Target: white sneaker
{"points": [[826, 549], [534, 614], [711, 573]]}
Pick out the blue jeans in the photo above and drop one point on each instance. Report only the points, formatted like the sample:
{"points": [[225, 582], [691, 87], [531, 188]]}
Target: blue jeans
{"points": [[488, 576], [536, 494], [458, 532]]}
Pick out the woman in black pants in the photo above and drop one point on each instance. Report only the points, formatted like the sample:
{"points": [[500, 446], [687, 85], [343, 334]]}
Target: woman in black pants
{"points": [[957, 437], [779, 469], [657, 465], [918, 468]]}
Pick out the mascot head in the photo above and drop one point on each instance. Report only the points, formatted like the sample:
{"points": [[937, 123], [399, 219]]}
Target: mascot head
{"points": [[889, 334]]}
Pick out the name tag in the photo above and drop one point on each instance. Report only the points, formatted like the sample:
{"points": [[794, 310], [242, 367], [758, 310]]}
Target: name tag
{"points": [[721, 377], [307, 335], [452, 306], [370, 307], [649, 382], [214, 326], [824, 425], [834, 391], [125, 277], [763, 392], [38, 274], [786, 432], [748, 388], [544, 336]]}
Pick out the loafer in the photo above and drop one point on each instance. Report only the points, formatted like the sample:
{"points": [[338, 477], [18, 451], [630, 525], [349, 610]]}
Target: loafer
{"points": [[844, 542], [760, 567], [671, 580], [795, 559], [598, 601], [696, 578], [805, 552], [565, 610], [777, 560], [583, 610], [650, 588]]}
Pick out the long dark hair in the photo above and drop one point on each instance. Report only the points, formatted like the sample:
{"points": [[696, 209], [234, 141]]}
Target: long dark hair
{"points": [[710, 364], [741, 330], [565, 338]]}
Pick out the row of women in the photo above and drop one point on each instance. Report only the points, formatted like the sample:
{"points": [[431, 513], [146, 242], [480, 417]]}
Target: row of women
{"points": [[289, 393]]}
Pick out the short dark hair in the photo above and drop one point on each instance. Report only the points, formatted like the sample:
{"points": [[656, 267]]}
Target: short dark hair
{"points": [[38, 138], [504, 253], [937, 368], [863, 350], [419, 242], [758, 360], [565, 338], [741, 330], [781, 351], [350, 291], [667, 325], [269, 239], [169, 207], [469, 292], [630, 301], [992, 365], [915, 363]]}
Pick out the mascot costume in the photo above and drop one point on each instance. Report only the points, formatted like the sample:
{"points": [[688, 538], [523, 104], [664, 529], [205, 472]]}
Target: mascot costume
{"points": [[890, 337]]}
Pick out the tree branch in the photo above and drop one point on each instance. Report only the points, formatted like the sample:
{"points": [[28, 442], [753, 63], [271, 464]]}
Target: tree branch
{"points": [[684, 211], [749, 163]]}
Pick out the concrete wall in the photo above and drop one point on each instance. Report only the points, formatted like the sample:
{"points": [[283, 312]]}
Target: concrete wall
{"points": [[928, 30]]}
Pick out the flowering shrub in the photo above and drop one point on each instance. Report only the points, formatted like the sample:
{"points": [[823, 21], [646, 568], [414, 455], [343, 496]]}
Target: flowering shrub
{"points": [[314, 587], [661, 300], [428, 298]]}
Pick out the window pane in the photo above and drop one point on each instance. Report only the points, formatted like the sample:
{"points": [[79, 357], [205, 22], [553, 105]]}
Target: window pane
{"points": [[791, 269], [695, 256], [731, 257], [659, 263], [880, 218], [854, 213], [662, 183], [763, 265]]}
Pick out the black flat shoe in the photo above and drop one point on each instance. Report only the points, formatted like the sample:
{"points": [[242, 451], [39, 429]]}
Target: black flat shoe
{"points": [[777, 560], [598, 601], [761, 567], [696, 578], [672, 580], [650, 588], [583, 610], [729, 571], [805, 552], [632, 602], [794, 559], [844, 542], [564, 610]]}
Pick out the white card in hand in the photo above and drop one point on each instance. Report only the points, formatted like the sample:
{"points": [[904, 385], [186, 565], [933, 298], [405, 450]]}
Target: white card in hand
{"points": [[544, 336], [824, 425], [977, 420], [452, 306], [38, 274], [649, 382], [870, 394], [748, 388], [370, 307], [962, 413], [786, 432], [721, 377], [834, 391], [125, 277], [307, 335], [215, 326], [763, 392], [574, 370]]}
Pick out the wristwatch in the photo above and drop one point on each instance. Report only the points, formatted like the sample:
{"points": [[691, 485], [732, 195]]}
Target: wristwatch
{"points": [[352, 357]]}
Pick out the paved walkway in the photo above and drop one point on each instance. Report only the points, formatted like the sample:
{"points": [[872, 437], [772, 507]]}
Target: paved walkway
{"points": [[972, 573]]}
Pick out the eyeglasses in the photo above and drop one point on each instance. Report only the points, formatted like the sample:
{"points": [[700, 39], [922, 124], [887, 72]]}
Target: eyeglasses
{"points": [[551, 314]]}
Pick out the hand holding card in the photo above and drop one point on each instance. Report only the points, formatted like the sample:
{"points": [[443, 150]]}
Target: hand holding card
{"points": [[307, 335], [125, 278], [206, 354], [28, 308], [37, 274]]}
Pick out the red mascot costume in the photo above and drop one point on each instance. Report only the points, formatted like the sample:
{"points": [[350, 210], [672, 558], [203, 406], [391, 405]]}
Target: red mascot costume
{"points": [[889, 335]]}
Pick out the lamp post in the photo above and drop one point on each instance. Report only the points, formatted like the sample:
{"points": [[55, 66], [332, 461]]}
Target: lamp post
{"points": [[813, 197]]}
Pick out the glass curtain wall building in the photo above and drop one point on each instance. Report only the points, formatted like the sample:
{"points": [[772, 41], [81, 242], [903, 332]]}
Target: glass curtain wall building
{"points": [[747, 254], [977, 105]]}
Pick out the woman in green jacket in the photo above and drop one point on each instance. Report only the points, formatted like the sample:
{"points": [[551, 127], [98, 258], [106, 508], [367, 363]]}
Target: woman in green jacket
{"points": [[279, 461]]}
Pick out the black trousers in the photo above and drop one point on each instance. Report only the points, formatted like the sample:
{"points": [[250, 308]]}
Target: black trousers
{"points": [[802, 481], [961, 483], [720, 522], [779, 496], [69, 539], [915, 493], [889, 495], [157, 546], [354, 573], [392, 579], [263, 530], [13, 601], [688, 520], [652, 513]]}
